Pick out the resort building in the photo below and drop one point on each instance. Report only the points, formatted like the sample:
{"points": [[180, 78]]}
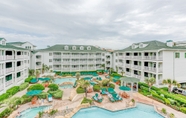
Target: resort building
{"points": [[152, 59], [26, 45], [72, 58], [14, 64]]}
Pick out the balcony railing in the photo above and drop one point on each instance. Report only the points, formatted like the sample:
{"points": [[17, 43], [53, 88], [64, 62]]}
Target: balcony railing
{"points": [[91, 56], [20, 68], [137, 67], [20, 56], [8, 83], [83, 68], [128, 73], [66, 56], [57, 68], [75, 62], [57, 56], [152, 69], [19, 78], [137, 57], [91, 68], [66, 62], [137, 76], [77, 68], [8, 70], [74, 56], [83, 56], [57, 62], [127, 57], [1, 72], [150, 57], [38, 66], [66, 68], [1, 87], [128, 65], [83, 62], [1, 57], [9, 57]]}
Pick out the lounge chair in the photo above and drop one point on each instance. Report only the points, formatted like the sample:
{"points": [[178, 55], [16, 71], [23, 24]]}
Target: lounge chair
{"points": [[112, 99], [104, 91], [111, 90], [96, 98], [124, 95], [116, 97]]}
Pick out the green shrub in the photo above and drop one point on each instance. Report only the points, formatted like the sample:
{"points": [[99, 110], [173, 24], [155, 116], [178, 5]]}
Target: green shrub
{"points": [[164, 88], [53, 87], [86, 100], [26, 99], [43, 95], [23, 86], [171, 115], [4, 96], [96, 88], [5, 113], [58, 94], [164, 111], [80, 90], [167, 102], [183, 109], [144, 88], [41, 114], [112, 85], [146, 93], [105, 82], [116, 74], [13, 90], [53, 112], [36, 87], [171, 101], [146, 85], [155, 95], [28, 79]]}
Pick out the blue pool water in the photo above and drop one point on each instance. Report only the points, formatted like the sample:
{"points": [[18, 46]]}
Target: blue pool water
{"points": [[62, 80], [31, 113], [141, 111]]}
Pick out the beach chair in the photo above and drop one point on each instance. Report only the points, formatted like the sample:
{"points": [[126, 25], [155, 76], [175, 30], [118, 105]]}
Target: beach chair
{"points": [[111, 90], [104, 91], [96, 98]]}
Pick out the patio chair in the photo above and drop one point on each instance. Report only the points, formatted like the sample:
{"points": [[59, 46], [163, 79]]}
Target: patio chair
{"points": [[97, 99]]}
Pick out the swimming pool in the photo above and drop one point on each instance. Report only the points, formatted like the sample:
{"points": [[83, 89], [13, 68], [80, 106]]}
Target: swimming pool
{"points": [[62, 80], [141, 111], [32, 112]]}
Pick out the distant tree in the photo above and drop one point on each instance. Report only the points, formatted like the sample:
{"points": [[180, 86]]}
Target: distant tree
{"points": [[31, 72], [78, 75], [171, 83], [84, 84], [103, 66], [150, 82]]}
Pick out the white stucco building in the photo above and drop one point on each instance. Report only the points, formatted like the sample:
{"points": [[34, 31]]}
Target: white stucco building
{"points": [[152, 59], [14, 64]]}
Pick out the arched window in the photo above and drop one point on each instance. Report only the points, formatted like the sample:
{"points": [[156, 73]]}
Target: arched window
{"points": [[73, 47], [88, 48], [81, 48]]}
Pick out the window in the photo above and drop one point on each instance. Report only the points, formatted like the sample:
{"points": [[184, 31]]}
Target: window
{"points": [[81, 48], [50, 54], [185, 55], [66, 47], [141, 45], [50, 60], [3, 42], [73, 47], [88, 48], [177, 55], [133, 46]]}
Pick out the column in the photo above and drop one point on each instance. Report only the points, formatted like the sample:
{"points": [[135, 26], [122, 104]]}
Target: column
{"points": [[137, 86], [132, 86], [157, 70]]}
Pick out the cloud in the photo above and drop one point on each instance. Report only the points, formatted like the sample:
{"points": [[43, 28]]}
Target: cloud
{"points": [[106, 23]]}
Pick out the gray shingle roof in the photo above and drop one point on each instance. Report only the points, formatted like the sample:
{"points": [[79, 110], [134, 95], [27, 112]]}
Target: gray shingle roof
{"points": [[60, 47], [2, 39], [8, 46], [16, 43], [151, 45]]}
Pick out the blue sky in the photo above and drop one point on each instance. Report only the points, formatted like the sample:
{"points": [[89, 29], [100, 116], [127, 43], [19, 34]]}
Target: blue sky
{"points": [[106, 23]]}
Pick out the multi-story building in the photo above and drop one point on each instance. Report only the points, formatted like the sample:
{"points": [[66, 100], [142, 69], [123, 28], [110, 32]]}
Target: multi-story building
{"points": [[26, 45], [69, 58], [152, 59], [14, 64]]}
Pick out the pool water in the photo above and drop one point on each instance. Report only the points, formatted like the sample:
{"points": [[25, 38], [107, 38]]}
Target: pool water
{"points": [[141, 111], [62, 80], [31, 113]]}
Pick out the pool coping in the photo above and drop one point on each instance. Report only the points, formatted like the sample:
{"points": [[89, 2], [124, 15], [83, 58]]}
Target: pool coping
{"points": [[35, 107]]}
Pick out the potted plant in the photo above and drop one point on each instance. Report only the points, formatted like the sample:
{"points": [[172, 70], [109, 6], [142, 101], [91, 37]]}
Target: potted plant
{"points": [[164, 111]]}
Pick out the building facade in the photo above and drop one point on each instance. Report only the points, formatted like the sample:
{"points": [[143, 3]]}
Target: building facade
{"points": [[72, 58], [14, 65], [152, 59]]}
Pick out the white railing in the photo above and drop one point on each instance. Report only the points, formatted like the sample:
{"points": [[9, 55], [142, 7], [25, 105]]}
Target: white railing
{"points": [[56, 68], [8, 70], [108, 59], [137, 67], [9, 57], [98, 56], [57, 56], [137, 76], [38, 59], [160, 70], [66, 69], [83, 56], [19, 67], [128, 65], [127, 57], [160, 58], [74, 56], [19, 78], [75, 68], [66, 62], [20, 56], [75, 62], [83, 68], [150, 57], [1, 57], [137, 57], [9, 82], [89, 68], [26, 56], [91, 56], [66, 56], [128, 73], [120, 64], [99, 62], [1, 87], [83, 62], [1, 73], [57, 62], [152, 69], [38, 66]]}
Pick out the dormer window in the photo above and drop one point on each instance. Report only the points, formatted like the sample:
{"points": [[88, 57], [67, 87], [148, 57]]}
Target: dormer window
{"points": [[66, 47], [141, 45], [88, 48], [73, 47], [81, 48], [133, 46]]}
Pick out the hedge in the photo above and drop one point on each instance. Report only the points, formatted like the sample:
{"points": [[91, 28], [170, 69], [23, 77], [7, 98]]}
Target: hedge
{"points": [[183, 109], [80, 90], [86, 100], [96, 88], [13, 90], [53, 87], [116, 74], [112, 85], [56, 94], [36, 87], [144, 88], [23, 86], [43, 95], [105, 82], [4, 96], [5, 113], [26, 99], [28, 79]]}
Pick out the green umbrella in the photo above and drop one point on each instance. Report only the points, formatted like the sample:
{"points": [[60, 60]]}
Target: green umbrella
{"points": [[124, 88], [33, 92]]}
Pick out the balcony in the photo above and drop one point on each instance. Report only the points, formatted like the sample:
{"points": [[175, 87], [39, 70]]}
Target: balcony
{"points": [[137, 76], [128, 65], [8, 70], [108, 59], [150, 57], [57, 62], [19, 78], [128, 73], [120, 56], [151, 69], [66, 69], [38, 66], [75, 62], [137, 67], [127, 57], [137, 57], [91, 56], [57, 56], [57, 68], [1, 72], [1, 87], [83, 68], [38, 59], [83, 62], [98, 62], [8, 82], [83, 56], [1, 57], [66, 56], [91, 68], [66, 62], [77, 68], [120, 64], [98, 56], [20, 68], [9, 57], [20, 56]]}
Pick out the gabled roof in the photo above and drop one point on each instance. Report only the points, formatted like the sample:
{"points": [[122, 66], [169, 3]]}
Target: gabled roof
{"points": [[151, 45], [61, 47], [2, 39], [19, 43], [8, 46]]}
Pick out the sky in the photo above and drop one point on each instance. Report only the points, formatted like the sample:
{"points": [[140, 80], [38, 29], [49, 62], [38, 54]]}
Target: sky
{"points": [[114, 24]]}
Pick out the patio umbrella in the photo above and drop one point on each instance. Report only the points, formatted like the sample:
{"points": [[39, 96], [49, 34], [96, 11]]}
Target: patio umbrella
{"points": [[33, 92], [34, 80], [124, 88], [44, 79]]}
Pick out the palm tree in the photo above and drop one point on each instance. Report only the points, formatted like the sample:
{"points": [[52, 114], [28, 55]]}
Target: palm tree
{"points": [[122, 72], [110, 71], [84, 84], [37, 73], [170, 83], [31, 72], [44, 68], [103, 66], [78, 75], [150, 82]]}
